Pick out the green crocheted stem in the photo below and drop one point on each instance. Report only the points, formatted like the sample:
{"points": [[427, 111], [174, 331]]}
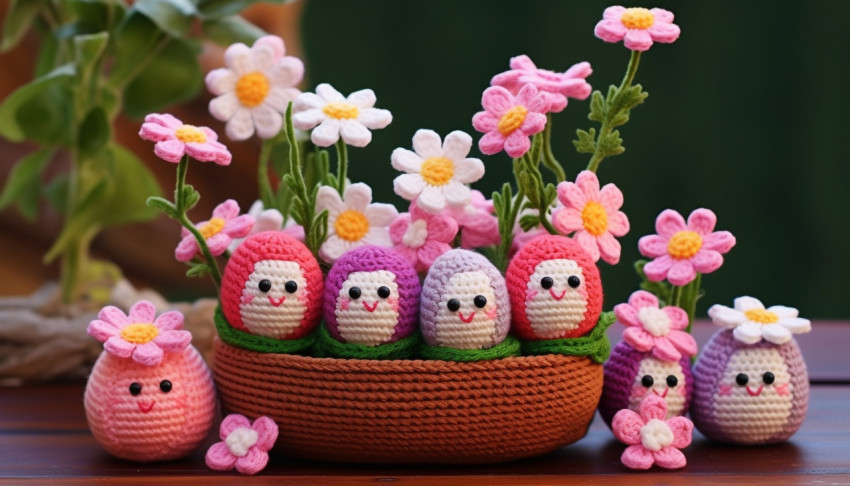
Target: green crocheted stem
{"points": [[262, 344], [594, 345], [507, 348], [328, 346]]}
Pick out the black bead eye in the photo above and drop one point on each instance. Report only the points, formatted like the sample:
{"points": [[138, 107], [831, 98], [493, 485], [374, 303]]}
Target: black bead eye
{"points": [[453, 305], [742, 379], [547, 283], [265, 285], [480, 301], [647, 381], [165, 386], [135, 388], [672, 381], [574, 281], [383, 292], [291, 286], [354, 292], [768, 378]]}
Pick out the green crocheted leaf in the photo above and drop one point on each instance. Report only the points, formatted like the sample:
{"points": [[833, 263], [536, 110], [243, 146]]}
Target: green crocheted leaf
{"points": [[594, 345], [507, 348], [261, 344], [327, 346]]}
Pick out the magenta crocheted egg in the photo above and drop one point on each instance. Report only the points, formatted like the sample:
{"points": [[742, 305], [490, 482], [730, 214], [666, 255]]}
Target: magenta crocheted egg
{"points": [[371, 297], [749, 394]]}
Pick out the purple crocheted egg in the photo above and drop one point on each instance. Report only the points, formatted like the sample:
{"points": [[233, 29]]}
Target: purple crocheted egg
{"points": [[371, 297], [464, 303], [631, 374], [749, 394]]}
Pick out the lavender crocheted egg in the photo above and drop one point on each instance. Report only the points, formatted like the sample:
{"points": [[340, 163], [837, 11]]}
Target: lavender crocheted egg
{"points": [[749, 394], [464, 303], [371, 297]]}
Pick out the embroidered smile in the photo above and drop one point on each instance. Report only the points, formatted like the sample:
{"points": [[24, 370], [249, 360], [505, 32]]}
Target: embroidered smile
{"points": [[277, 302], [755, 393], [555, 296], [372, 307], [146, 407], [467, 320]]}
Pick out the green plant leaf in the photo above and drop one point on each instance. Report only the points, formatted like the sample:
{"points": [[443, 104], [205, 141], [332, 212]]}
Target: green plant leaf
{"points": [[198, 270], [597, 107], [178, 64], [40, 110], [24, 183], [88, 49], [172, 16], [94, 132], [56, 192], [585, 143], [19, 18], [47, 56], [230, 30], [98, 15], [222, 8], [190, 196], [137, 39], [163, 205]]}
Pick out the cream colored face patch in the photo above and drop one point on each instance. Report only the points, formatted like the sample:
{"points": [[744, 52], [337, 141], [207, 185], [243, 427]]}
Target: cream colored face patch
{"points": [[370, 318], [267, 306], [461, 322], [556, 306], [662, 374]]}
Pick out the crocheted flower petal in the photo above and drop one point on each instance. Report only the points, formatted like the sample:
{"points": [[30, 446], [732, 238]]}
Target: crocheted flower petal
{"points": [[406, 160], [432, 199], [609, 30], [267, 431], [203, 152], [776, 334], [333, 248], [327, 133], [611, 197], [457, 145], [329, 94], [226, 210], [267, 120], [354, 133], [567, 220], [684, 342], [745, 303], [186, 249], [427, 144], [114, 316], [664, 350], [164, 119], [154, 132], [442, 228], [588, 244], [278, 98], [637, 40], [661, 15], [653, 407], [268, 220], [642, 298], [653, 246], [142, 312], [457, 194], [224, 107], [637, 338], [409, 186], [357, 196], [220, 81], [252, 462], [170, 150], [497, 100], [305, 102], [707, 261], [678, 317], [796, 325], [375, 118], [702, 221], [119, 347], [240, 126], [380, 214], [218, 243], [683, 430], [749, 333], [571, 195], [627, 315], [219, 457], [288, 71], [469, 170], [328, 198], [721, 241], [148, 354], [664, 31], [636, 457], [399, 227], [378, 236], [365, 98], [726, 316], [238, 58], [522, 62], [517, 143], [169, 321], [682, 272], [609, 248], [656, 270], [263, 56], [670, 458], [173, 340], [491, 143], [274, 42], [588, 183], [534, 123], [626, 426], [101, 330], [668, 223], [430, 251], [232, 422], [484, 121]]}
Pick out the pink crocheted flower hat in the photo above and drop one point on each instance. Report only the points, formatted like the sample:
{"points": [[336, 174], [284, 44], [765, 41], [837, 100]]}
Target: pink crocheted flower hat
{"points": [[464, 302], [555, 289], [272, 287], [371, 297]]}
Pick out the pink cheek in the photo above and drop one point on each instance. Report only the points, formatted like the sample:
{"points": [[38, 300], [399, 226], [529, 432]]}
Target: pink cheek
{"points": [[247, 299], [393, 302], [530, 294], [344, 303], [304, 298], [492, 313], [639, 390], [725, 390], [782, 390]]}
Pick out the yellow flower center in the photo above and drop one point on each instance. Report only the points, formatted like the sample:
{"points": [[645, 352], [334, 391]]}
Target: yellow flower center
{"points": [[252, 89], [762, 316], [684, 245], [637, 18], [437, 171], [594, 218], [351, 225], [139, 333], [212, 228], [512, 120], [341, 110], [189, 133]]}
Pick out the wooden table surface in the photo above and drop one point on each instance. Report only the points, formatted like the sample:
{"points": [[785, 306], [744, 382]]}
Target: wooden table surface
{"points": [[44, 437]]}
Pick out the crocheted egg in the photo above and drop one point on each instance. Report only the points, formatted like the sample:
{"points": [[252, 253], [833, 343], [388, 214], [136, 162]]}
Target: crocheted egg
{"points": [[371, 297], [464, 302], [749, 393], [555, 289], [272, 287]]}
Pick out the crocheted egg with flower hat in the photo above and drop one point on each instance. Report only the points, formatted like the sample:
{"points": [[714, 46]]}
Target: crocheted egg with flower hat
{"points": [[751, 383], [272, 287]]}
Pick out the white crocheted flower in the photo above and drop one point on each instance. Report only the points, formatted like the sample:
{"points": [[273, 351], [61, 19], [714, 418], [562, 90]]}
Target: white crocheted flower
{"points": [[752, 322], [353, 220], [333, 116]]}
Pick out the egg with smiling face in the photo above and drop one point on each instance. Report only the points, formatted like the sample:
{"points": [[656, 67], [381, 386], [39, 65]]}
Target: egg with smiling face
{"points": [[555, 289], [272, 287], [464, 302]]}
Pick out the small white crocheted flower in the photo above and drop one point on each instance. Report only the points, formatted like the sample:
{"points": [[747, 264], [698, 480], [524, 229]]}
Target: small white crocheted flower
{"points": [[334, 116], [353, 220], [752, 322]]}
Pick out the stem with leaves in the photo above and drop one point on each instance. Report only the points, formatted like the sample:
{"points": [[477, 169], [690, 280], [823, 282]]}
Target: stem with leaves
{"points": [[342, 165]]}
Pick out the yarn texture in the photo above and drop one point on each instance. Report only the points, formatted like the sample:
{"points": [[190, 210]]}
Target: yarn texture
{"points": [[509, 347], [244, 446], [261, 344], [595, 345], [326, 345]]}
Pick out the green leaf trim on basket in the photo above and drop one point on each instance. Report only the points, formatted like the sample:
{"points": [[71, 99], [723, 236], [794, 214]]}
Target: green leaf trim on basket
{"points": [[594, 345], [262, 344], [507, 348], [327, 346]]}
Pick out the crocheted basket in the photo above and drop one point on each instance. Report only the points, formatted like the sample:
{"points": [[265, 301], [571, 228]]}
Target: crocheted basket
{"points": [[412, 411]]}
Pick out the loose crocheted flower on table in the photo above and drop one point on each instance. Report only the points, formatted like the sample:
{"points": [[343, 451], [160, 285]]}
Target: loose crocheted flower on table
{"points": [[478, 225], [333, 116], [638, 28], [508, 121], [225, 225], [421, 237], [353, 220], [593, 215], [436, 171], [255, 87], [752, 322], [268, 220], [657, 330], [559, 86], [244, 445], [174, 139], [139, 335], [650, 438], [681, 250]]}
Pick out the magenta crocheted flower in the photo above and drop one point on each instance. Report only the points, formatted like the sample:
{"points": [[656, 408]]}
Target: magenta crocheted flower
{"points": [[225, 225], [681, 250], [650, 438], [657, 330], [139, 335], [174, 140], [593, 215], [509, 120], [421, 237], [243, 445], [638, 28], [559, 86], [478, 225]]}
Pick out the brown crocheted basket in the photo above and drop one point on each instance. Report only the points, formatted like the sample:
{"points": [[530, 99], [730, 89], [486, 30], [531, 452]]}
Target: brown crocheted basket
{"points": [[412, 411]]}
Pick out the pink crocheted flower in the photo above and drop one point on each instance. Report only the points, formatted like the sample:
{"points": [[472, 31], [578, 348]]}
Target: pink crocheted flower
{"points": [[244, 445], [174, 139], [421, 237], [141, 335], [652, 329], [637, 27], [478, 225], [651, 438], [218, 232], [509, 120], [593, 215], [681, 250], [559, 86]]}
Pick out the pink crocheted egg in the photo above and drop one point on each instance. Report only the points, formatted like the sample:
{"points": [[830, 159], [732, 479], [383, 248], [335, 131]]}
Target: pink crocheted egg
{"points": [[749, 393], [150, 413], [555, 290], [272, 287]]}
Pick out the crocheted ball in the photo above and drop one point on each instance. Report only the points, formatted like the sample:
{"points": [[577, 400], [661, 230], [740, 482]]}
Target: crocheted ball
{"points": [[272, 287], [749, 394], [150, 413], [464, 302], [631, 374], [371, 297], [555, 289]]}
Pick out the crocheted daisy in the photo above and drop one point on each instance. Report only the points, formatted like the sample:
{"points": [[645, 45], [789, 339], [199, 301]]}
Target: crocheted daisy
{"points": [[437, 171], [243, 445], [651, 437], [650, 328], [174, 139], [353, 220], [421, 237], [560, 86], [508, 121], [225, 225], [478, 225], [638, 28], [334, 116], [752, 322]]}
